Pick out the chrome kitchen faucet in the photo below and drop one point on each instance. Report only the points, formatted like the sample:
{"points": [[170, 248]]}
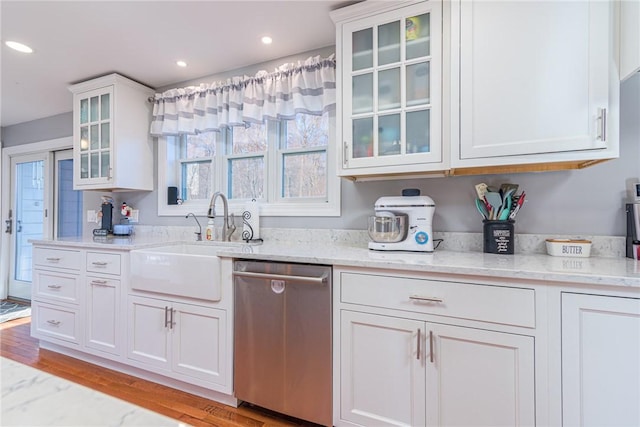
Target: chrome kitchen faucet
{"points": [[227, 228]]}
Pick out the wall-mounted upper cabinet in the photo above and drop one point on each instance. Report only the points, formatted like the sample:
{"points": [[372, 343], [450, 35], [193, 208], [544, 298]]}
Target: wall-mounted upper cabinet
{"points": [[494, 87], [111, 144], [629, 42], [390, 74], [532, 82]]}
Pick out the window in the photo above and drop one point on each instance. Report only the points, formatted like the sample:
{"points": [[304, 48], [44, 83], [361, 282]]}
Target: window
{"points": [[288, 166]]}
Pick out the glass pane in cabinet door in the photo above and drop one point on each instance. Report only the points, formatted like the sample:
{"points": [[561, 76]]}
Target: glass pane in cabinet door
{"points": [[418, 84], [362, 48], [84, 165], [417, 36], [389, 89], [389, 43], [84, 110], [389, 135], [362, 99], [363, 137], [84, 138], [104, 107], [104, 164], [94, 166], [93, 108], [95, 138], [105, 135], [418, 132]]}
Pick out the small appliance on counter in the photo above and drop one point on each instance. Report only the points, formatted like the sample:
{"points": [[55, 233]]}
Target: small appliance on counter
{"points": [[633, 228], [402, 223], [106, 218]]}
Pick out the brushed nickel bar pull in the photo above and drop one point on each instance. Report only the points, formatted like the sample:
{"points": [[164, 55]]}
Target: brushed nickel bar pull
{"points": [[418, 355], [166, 316], [99, 263], [345, 152], [602, 118], [53, 322], [54, 286], [52, 259], [299, 279], [426, 299], [172, 323], [99, 282], [431, 346]]}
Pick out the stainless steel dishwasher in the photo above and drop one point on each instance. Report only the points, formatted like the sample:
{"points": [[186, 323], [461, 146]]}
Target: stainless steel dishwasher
{"points": [[282, 338]]}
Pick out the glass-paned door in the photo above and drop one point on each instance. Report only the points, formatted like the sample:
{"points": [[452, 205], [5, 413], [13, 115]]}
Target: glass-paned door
{"points": [[392, 87], [94, 117], [28, 201], [67, 201]]}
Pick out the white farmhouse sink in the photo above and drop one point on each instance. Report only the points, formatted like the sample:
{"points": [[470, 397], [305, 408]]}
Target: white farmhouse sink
{"points": [[188, 270]]}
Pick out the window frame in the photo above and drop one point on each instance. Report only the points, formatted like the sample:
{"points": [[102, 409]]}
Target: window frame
{"points": [[273, 205]]}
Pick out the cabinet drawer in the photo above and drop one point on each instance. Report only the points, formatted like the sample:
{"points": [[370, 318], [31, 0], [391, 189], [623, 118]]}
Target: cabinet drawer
{"points": [[59, 258], [100, 262], [56, 286], [55, 322], [494, 304]]}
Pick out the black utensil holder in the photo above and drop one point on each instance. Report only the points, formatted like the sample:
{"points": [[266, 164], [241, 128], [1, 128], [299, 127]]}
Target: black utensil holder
{"points": [[498, 237]]}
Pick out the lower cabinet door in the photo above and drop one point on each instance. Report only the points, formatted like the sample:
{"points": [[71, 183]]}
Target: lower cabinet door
{"points": [[479, 378], [103, 330], [199, 349], [382, 370], [149, 333], [600, 360]]}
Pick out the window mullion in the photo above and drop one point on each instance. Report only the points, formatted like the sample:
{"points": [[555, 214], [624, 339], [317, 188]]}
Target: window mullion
{"points": [[272, 161]]}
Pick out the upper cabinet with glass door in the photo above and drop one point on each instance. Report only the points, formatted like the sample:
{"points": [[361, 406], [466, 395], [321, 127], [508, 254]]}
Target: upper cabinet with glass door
{"points": [[389, 95], [112, 148]]}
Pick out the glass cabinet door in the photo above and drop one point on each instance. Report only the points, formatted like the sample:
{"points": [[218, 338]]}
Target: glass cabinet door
{"points": [[95, 121], [389, 85]]}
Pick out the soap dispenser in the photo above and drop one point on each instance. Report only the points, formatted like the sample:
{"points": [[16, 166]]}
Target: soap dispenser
{"points": [[210, 230]]}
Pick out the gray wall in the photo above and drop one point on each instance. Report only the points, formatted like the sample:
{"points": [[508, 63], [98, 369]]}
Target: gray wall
{"points": [[583, 202]]}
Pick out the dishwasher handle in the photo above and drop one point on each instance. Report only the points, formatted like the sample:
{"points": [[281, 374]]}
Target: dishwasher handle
{"points": [[286, 277]]}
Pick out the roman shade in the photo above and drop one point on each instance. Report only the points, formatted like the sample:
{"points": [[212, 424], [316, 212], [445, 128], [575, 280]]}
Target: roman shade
{"points": [[307, 87]]}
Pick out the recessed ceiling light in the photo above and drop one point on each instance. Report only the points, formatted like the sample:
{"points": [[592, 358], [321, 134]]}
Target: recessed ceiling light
{"points": [[181, 63], [19, 47], [267, 40]]}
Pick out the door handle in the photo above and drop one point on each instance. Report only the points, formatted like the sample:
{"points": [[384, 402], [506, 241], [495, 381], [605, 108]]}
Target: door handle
{"points": [[8, 226], [18, 226]]}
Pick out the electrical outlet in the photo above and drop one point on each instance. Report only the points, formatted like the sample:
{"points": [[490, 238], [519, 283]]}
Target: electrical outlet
{"points": [[134, 215], [91, 216]]}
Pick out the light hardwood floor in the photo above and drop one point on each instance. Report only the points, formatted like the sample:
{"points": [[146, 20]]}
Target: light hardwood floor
{"points": [[17, 344]]}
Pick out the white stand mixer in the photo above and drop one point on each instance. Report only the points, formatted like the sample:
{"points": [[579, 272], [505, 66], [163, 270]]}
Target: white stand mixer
{"points": [[402, 224]]}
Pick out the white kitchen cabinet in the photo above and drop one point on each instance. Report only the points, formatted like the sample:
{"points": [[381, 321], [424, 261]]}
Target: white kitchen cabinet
{"points": [[600, 360], [111, 144], [382, 381], [530, 82], [104, 326], [56, 294], [629, 42], [185, 341], [398, 368], [389, 79]]}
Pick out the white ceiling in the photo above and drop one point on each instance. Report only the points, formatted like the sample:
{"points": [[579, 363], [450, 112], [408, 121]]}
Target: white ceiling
{"points": [[77, 40]]}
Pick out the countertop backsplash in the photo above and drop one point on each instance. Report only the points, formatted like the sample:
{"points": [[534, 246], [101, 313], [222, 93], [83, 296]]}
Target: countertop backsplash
{"points": [[602, 246]]}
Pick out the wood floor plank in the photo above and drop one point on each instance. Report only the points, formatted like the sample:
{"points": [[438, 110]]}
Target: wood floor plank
{"points": [[17, 344]]}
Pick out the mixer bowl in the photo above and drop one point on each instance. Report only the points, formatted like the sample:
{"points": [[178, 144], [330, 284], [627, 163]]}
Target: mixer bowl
{"points": [[388, 229]]}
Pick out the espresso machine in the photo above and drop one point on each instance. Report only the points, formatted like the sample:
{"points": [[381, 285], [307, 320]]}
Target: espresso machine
{"points": [[106, 218], [402, 223], [633, 227]]}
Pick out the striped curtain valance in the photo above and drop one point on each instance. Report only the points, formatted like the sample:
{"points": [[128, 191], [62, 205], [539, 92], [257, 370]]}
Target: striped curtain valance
{"points": [[308, 87]]}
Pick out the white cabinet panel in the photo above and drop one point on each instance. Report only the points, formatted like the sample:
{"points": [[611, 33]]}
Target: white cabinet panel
{"points": [[103, 327], [382, 378], [148, 332], [529, 77], [600, 360], [480, 378]]}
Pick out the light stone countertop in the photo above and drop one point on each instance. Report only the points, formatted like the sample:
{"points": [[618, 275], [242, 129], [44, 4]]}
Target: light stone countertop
{"points": [[620, 272], [35, 398]]}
